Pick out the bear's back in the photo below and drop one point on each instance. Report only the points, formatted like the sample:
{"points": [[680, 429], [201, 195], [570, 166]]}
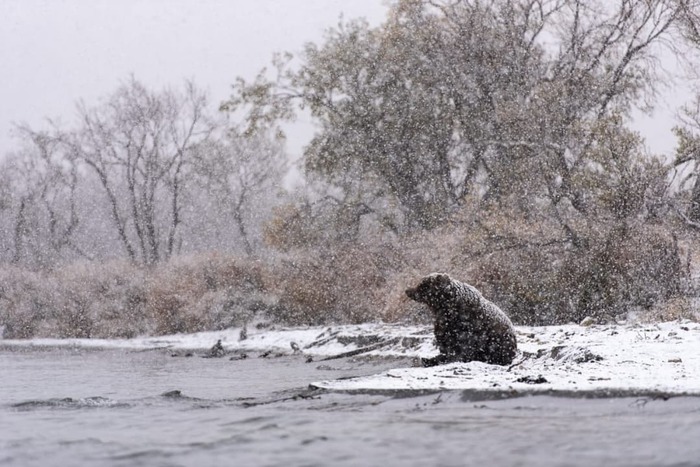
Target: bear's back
{"points": [[475, 327]]}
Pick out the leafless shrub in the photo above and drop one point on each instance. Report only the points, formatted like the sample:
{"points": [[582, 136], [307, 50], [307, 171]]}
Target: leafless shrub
{"points": [[678, 308], [121, 299], [615, 269], [197, 293], [344, 284], [101, 300], [25, 302]]}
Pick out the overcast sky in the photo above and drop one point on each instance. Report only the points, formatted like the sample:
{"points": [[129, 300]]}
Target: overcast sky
{"points": [[54, 52]]}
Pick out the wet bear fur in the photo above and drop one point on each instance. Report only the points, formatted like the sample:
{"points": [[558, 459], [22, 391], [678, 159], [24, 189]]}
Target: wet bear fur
{"points": [[468, 327]]}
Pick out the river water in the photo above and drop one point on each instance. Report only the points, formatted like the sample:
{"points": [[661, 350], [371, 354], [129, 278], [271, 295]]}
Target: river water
{"points": [[77, 407]]}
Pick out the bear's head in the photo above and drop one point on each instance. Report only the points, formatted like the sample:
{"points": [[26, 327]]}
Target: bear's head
{"points": [[432, 289]]}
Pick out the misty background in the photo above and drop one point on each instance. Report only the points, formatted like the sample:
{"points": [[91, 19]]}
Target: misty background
{"points": [[54, 53], [180, 166]]}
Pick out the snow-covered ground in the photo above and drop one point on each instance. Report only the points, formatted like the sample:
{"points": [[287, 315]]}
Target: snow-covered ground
{"points": [[624, 359]]}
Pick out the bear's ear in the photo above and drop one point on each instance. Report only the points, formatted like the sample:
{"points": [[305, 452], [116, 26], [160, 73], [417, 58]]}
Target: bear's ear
{"points": [[442, 279]]}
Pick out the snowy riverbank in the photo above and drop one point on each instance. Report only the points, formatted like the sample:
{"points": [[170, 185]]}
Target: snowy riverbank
{"points": [[621, 359]]}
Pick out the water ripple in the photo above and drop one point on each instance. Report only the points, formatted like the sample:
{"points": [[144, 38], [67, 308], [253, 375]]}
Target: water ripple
{"points": [[69, 403]]}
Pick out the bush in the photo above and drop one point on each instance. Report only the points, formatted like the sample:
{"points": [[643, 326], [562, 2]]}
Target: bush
{"points": [[197, 293], [119, 299], [534, 276], [105, 300], [614, 271], [342, 285], [25, 302]]}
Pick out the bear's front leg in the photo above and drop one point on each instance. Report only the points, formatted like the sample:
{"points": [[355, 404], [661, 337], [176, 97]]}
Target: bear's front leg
{"points": [[437, 360]]}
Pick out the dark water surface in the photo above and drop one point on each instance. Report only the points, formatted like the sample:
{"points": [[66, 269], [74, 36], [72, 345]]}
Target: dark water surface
{"points": [[118, 408]]}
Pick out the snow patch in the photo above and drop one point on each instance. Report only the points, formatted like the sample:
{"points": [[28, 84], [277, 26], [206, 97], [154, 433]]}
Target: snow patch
{"points": [[663, 358], [628, 358]]}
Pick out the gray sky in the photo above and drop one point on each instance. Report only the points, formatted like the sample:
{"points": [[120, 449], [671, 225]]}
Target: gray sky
{"points": [[54, 52]]}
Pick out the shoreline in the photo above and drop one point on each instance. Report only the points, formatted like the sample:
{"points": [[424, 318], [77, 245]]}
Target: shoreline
{"points": [[473, 395], [621, 360]]}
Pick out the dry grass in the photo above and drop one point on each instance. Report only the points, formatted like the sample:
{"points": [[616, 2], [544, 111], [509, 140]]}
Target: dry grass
{"points": [[343, 285], [118, 299], [102, 300], [25, 299], [197, 293], [678, 308], [638, 269]]}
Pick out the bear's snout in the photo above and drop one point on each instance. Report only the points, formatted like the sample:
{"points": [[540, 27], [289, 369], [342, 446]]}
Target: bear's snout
{"points": [[412, 294]]}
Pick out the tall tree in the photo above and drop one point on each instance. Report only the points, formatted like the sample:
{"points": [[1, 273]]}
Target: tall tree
{"points": [[38, 205], [688, 160], [452, 98], [241, 175], [138, 145], [145, 172], [504, 122]]}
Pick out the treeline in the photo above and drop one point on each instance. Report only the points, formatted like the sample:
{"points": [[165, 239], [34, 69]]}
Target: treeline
{"points": [[144, 175], [491, 140]]}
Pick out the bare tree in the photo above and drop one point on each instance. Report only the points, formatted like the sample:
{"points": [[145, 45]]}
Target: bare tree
{"points": [[152, 171], [687, 160], [138, 143], [242, 174], [40, 204]]}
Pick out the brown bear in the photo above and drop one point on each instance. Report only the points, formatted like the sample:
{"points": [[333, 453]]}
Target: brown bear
{"points": [[467, 326]]}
